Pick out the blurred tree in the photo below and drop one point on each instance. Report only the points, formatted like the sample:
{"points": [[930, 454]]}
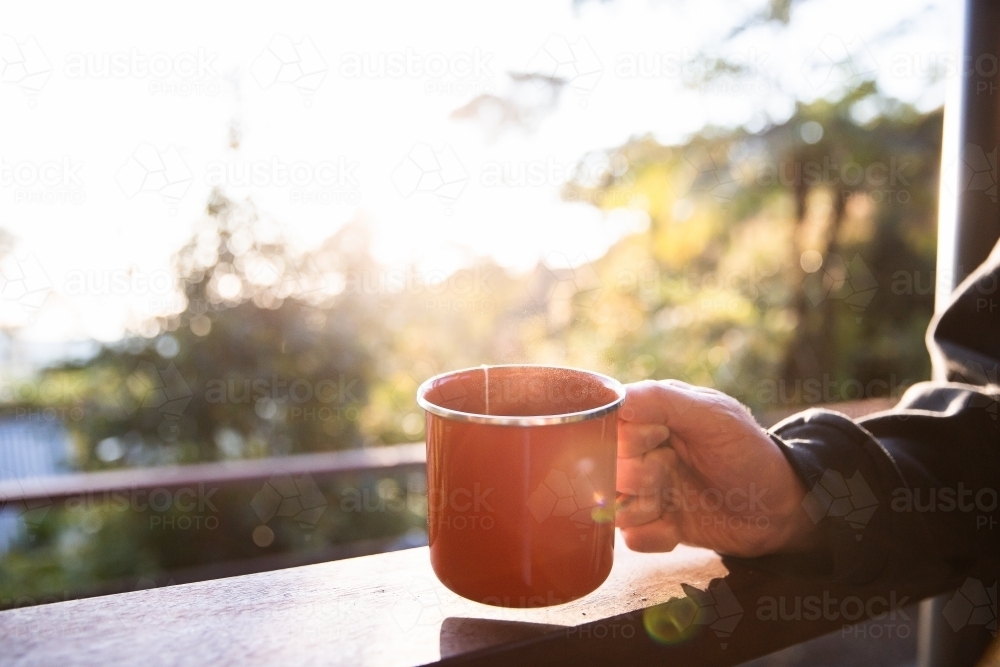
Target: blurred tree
{"points": [[777, 261], [264, 358]]}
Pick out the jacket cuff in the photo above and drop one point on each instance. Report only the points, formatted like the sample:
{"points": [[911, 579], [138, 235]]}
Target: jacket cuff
{"points": [[849, 479]]}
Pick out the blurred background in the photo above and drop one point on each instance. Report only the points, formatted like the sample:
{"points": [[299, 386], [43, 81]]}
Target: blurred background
{"points": [[232, 233]]}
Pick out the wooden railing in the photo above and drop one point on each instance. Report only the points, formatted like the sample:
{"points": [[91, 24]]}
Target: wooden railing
{"points": [[683, 607], [64, 487]]}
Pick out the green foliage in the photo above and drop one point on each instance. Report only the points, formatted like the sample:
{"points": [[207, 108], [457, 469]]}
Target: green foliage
{"points": [[125, 540], [773, 262]]}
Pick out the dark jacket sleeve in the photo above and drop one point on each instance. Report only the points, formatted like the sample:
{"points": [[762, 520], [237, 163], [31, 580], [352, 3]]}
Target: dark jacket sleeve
{"points": [[911, 492]]}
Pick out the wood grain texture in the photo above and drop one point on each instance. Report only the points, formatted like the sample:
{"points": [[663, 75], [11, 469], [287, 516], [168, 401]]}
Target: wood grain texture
{"points": [[387, 609]]}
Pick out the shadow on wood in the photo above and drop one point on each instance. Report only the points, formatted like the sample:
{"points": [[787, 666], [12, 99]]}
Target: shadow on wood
{"points": [[461, 636]]}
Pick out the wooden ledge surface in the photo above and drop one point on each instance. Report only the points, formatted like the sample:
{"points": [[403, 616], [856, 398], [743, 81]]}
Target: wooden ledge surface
{"points": [[386, 609]]}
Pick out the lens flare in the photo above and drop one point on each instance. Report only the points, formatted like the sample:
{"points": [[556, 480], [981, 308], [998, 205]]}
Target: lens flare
{"points": [[603, 511], [671, 622]]}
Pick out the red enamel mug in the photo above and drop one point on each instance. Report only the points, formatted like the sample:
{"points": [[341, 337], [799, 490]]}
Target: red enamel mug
{"points": [[521, 481]]}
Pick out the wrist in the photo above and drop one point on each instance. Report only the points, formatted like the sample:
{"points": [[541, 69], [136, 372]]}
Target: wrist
{"points": [[800, 533]]}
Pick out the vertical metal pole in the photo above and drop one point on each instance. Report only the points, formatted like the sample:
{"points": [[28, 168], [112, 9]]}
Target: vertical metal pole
{"points": [[968, 228], [968, 213]]}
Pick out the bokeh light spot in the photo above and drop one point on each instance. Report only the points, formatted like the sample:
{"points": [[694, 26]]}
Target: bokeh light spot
{"points": [[811, 261], [811, 132], [263, 536]]}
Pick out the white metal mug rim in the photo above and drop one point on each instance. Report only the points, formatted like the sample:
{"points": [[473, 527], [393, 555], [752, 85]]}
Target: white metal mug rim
{"points": [[511, 420]]}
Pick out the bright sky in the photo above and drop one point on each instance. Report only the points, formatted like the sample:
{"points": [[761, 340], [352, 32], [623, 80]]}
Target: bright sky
{"points": [[116, 121]]}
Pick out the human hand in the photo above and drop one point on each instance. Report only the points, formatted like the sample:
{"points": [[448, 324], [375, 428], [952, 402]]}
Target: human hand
{"points": [[694, 467]]}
